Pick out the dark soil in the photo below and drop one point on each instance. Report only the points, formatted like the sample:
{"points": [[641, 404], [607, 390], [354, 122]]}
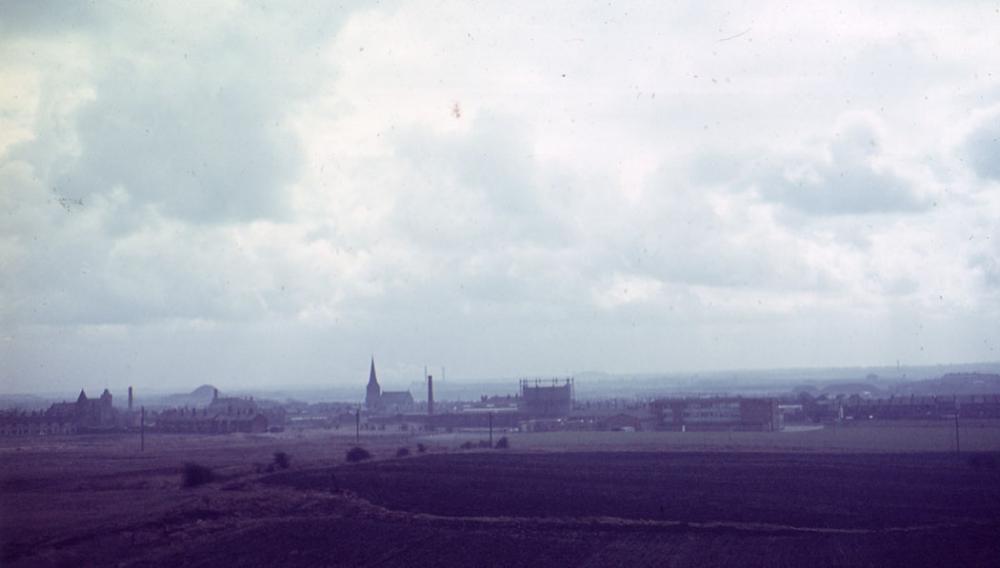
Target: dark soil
{"points": [[815, 491], [67, 505]]}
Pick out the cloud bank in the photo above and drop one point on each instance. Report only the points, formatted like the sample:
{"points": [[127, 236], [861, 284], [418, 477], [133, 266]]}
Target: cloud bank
{"points": [[253, 195]]}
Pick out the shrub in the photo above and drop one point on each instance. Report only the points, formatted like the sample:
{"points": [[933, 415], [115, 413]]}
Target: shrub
{"points": [[402, 452], [502, 443], [282, 460], [421, 448], [194, 475], [468, 445], [982, 461], [357, 453]]}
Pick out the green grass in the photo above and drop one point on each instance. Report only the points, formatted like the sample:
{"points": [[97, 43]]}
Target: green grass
{"points": [[866, 437]]}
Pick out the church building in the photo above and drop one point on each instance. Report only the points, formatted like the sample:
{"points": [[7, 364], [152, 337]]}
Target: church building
{"points": [[386, 402]]}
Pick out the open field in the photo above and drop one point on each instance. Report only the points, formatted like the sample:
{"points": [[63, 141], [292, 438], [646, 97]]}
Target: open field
{"points": [[874, 491], [883, 437], [96, 501]]}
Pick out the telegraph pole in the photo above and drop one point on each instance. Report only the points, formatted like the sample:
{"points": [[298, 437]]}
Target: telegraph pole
{"points": [[142, 428], [357, 425], [491, 429]]}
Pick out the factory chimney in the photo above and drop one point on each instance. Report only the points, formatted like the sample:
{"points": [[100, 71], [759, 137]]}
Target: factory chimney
{"points": [[430, 395], [130, 399]]}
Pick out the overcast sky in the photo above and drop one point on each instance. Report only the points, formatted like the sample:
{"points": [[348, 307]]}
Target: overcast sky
{"points": [[258, 195]]}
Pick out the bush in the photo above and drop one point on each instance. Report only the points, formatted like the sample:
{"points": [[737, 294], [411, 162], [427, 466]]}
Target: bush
{"points": [[402, 452], [194, 475], [421, 448], [282, 460], [502, 443], [982, 461], [357, 453], [467, 445]]}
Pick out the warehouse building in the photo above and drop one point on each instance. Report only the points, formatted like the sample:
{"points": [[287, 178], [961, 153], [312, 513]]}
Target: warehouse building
{"points": [[718, 413]]}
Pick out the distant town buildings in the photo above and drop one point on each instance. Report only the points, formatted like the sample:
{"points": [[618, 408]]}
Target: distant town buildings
{"points": [[84, 415], [223, 415], [538, 405], [915, 407], [99, 415]]}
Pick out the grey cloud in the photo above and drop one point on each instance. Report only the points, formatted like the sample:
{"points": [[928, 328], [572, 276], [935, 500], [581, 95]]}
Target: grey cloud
{"points": [[181, 125], [982, 147], [189, 117], [988, 268], [198, 147], [20, 18], [846, 183], [480, 187]]}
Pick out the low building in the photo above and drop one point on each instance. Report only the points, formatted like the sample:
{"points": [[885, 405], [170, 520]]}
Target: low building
{"points": [[718, 413], [84, 415], [914, 407], [621, 423], [17, 423]]}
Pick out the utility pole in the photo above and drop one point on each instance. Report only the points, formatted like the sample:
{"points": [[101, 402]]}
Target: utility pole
{"points": [[491, 429], [357, 425], [142, 428]]}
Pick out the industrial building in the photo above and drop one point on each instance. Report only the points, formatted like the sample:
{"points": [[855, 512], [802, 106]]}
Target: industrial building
{"points": [[546, 398], [719, 413]]}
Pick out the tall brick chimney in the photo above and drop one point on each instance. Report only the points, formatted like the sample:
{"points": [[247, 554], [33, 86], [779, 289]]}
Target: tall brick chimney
{"points": [[130, 399], [430, 395]]}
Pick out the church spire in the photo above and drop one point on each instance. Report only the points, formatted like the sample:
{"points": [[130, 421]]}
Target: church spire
{"points": [[372, 379], [373, 394]]}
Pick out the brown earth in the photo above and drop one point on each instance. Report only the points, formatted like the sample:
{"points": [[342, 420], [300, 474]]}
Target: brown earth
{"points": [[96, 501]]}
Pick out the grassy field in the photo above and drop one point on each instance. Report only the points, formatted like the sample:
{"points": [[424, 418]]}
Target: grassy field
{"points": [[842, 491], [776, 499], [936, 436]]}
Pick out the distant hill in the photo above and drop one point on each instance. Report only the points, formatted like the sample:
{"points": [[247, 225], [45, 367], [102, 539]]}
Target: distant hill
{"points": [[200, 396], [955, 384], [204, 391]]}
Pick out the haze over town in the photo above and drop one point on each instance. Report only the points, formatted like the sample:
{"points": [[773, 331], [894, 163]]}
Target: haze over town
{"points": [[257, 195]]}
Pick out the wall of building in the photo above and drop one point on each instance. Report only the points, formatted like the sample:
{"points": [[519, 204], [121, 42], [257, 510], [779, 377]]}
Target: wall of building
{"points": [[539, 399], [717, 414]]}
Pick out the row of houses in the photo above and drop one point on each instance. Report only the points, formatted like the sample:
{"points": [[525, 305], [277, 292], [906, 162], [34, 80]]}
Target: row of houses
{"points": [[94, 415], [222, 415], [921, 407], [84, 415]]}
